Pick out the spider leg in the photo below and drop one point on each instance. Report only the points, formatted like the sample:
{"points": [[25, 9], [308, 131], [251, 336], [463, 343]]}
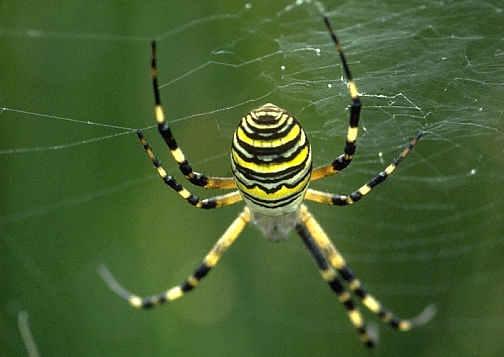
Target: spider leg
{"points": [[331, 277], [344, 159], [337, 261], [213, 202], [196, 178], [344, 200], [210, 261]]}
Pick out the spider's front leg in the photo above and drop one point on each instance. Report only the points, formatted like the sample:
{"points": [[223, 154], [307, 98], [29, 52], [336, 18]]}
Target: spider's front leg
{"points": [[368, 336], [344, 159], [336, 261], [210, 261]]}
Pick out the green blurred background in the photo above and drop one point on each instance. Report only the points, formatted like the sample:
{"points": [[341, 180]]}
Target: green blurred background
{"points": [[76, 193]]}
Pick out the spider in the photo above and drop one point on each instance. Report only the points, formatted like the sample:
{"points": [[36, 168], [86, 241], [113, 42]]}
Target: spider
{"points": [[272, 167]]}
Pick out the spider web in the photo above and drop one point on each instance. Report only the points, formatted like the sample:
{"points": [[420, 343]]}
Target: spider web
{"points": [[77, 190]]}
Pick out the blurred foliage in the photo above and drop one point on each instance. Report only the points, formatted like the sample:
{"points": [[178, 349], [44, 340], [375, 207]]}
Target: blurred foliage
{"points": [[433, 233]]}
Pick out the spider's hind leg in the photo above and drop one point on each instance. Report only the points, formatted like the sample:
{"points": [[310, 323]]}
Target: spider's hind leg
{"points": [[342, 161], [207, 203], [355, 196], [164, 129]]}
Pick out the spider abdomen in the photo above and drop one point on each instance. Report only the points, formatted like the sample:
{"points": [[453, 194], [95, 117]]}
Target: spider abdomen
{"points": [[271, 161]]}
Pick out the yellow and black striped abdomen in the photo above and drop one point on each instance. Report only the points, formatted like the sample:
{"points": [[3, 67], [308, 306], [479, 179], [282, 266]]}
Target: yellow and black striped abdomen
{"points": [[271, 161]]}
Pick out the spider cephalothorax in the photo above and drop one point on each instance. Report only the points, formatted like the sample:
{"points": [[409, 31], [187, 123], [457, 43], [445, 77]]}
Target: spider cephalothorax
{"points": [[272, 167]]}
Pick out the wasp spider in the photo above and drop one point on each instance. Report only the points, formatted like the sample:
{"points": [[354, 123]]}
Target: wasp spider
{"points": [[271, 162]]}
